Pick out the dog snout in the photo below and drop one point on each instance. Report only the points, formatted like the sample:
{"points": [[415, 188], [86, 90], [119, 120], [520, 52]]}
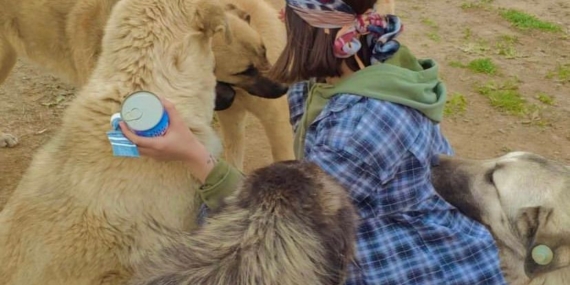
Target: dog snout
{"points": [[453, 185], [266, 88]]}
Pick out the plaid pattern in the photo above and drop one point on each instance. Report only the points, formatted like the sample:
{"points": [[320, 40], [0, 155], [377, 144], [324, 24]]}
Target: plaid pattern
{"points": [[381, 152]]}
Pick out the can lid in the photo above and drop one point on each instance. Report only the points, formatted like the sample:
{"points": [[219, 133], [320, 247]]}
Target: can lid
{"points": [[142, 111]]}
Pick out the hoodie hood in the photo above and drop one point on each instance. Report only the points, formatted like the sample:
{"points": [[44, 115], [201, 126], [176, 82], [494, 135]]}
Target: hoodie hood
{"points": [[402, 79]]}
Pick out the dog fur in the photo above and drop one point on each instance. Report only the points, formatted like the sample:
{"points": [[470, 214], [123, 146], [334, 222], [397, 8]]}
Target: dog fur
{"points": [[523, 199], [80, 215], [288, 224], [65, 37]]}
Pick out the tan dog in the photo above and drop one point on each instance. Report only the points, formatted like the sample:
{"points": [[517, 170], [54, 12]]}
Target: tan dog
{"points": [[65, 37], [273, 114], [524, 199], [289, 224], [79, 215]]}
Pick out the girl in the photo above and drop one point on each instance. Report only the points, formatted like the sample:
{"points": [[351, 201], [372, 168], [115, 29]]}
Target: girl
{"points": [[367, 112]]}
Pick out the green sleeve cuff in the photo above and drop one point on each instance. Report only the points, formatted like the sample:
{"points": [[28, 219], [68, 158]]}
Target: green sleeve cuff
{"points": [[220, 183]]}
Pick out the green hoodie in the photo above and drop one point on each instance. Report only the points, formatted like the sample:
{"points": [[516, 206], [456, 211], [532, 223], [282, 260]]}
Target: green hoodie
{"points": [[402, 79]]}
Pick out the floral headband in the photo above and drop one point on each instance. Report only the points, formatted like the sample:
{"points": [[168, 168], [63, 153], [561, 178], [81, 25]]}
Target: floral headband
{"points": [[380, 30]]}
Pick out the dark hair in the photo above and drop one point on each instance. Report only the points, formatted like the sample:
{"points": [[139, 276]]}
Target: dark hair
{"points": [[309, 50]]}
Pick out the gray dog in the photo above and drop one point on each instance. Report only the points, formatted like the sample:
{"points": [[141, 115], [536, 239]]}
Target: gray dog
{"points": [[524, 199]]}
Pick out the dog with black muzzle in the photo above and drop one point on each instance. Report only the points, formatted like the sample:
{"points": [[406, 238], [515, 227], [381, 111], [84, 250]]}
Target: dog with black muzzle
{"points": [[524, 200]]}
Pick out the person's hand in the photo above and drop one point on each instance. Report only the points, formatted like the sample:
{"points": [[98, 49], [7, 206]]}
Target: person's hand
{"points": [[177, 144]]}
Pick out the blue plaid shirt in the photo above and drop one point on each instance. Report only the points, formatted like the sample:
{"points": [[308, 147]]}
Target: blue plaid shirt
{"points": [[381, 152]]}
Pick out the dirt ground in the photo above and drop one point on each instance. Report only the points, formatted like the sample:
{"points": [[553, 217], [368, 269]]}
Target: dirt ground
{"points": [[483, 117]]}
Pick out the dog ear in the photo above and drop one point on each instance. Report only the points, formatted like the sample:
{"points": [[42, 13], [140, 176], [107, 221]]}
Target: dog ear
{"points": [[238, 12], [211, 19], [543, 251]]}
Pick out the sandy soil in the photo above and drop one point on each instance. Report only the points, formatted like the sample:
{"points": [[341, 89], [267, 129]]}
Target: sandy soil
{"points": [[451, 32]]}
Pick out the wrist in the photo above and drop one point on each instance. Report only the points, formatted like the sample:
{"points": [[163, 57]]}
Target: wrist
{"points": [[200, 161]]}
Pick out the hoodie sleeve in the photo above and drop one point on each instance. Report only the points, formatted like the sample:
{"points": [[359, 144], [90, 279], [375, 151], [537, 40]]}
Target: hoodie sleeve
{"points": [[220, 183]]}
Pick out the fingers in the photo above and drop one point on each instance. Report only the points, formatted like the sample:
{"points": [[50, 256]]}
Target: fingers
{"points": [[173, 114], [139, 141]]}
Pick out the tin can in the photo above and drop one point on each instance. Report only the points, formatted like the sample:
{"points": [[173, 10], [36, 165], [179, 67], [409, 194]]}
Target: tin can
{"points": [[144, 114]]}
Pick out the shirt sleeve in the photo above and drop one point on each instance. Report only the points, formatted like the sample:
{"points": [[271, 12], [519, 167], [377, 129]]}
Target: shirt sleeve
{"points": [[220, 183]]}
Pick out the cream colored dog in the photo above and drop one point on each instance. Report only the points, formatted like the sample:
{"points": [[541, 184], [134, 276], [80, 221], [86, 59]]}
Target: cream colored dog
{"points": [[65, 37], [79, 215]]}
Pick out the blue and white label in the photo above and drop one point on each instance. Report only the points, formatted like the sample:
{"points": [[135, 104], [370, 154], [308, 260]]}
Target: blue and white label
{"points": [[121, 146]]}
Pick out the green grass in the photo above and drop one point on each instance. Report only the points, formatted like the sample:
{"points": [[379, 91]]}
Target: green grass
{"points": [[483, 65], [505, 97], [525, 21], [467, 33], [478, 47], [506, 46], [561, 73], [430, 23], [456, 105], [434, 36], [545, 99]]}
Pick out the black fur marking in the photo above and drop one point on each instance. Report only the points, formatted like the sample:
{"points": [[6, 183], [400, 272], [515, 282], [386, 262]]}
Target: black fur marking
{"points": [[225, 96], [453, 186]]}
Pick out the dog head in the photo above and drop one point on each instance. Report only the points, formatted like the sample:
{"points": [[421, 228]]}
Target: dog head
{"points": [[242, 64], [524, 199]]}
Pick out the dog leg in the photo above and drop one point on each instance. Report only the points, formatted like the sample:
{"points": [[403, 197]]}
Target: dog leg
{"points": [[232, 122], [7, 61], [274, 116], [85, 33], [7, 58]]}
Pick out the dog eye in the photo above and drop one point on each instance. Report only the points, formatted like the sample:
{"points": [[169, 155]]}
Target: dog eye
{"points": [[250, 71]]}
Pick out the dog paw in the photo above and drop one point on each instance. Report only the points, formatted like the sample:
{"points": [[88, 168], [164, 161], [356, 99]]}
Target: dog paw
{"points": [[7, 140]]}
